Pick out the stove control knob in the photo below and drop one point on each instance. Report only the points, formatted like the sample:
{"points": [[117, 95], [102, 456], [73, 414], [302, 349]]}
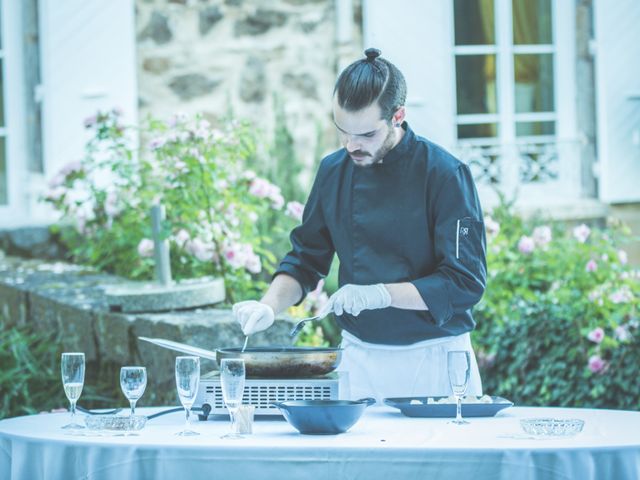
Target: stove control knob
{"points": [[206, 409]]}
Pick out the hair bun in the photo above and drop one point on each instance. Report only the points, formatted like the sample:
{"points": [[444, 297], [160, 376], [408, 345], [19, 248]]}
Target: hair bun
{"points": [[372, 54]]}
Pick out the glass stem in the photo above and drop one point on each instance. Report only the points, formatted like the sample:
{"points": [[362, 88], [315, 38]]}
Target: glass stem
{"points": [[232, 415], [186, 422], [73, 409], [133, 407], [458, 408]]}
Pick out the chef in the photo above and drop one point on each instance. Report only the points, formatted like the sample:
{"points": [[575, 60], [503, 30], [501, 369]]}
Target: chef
{"points": [[404, 218]]}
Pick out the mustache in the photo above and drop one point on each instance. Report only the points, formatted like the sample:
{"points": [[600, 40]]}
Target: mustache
{"points": [[360, 153]]}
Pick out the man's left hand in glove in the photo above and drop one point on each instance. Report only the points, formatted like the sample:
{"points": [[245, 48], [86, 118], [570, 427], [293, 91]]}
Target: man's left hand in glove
{"points": [[353, 299]]}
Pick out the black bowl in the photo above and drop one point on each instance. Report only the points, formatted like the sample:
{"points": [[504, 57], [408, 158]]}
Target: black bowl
{"points": [[323, 417]]}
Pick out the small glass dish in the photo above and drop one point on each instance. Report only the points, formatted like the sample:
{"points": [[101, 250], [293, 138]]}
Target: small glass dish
{"points": [[553, 427], [117, 423]]}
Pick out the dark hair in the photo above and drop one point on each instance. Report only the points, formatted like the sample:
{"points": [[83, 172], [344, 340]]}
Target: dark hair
{"points": [[371, 79]]}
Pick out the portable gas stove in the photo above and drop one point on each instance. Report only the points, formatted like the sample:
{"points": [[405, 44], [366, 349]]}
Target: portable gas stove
{"points": [[262, 392]]}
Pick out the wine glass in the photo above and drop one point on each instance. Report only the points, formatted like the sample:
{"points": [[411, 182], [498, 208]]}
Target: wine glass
{"points": [[72, 369], [459, 368], [187, 380], [133, 382], [232, 377]]}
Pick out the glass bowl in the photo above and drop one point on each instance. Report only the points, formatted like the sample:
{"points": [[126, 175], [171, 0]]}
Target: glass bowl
{"points": [[115, 423], [556, 427]]}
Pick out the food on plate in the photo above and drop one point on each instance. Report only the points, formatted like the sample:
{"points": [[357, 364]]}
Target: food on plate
{"points": [[452, 399]]}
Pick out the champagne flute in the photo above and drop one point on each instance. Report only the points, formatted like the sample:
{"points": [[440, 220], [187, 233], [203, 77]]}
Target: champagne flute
{"points": [[459, 368], [72, 369], [133, 382], [187, 380], [232, 378]]}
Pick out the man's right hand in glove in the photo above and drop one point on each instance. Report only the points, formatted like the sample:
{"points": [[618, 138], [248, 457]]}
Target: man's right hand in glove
{"points": [[253, 316]]}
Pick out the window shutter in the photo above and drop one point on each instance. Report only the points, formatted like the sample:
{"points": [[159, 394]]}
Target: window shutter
{"points": [[416, 36], [88, 64], [617, 39]]}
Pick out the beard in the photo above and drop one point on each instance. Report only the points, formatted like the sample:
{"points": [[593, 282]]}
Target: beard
{"points": [[370, 159]]}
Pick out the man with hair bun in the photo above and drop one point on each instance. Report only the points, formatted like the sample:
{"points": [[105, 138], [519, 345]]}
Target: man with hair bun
{"points": [[404, 218]]}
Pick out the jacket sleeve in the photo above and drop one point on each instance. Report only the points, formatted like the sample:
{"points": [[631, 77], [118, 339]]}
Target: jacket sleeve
{"points": [[311, 246], [459, 280]]}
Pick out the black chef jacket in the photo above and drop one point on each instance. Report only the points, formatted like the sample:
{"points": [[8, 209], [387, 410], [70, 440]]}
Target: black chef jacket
{"points": [[415, 218]]}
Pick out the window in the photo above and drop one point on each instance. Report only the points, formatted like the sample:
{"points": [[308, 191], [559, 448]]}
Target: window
{"points": [[4, 190], [506, 61]]}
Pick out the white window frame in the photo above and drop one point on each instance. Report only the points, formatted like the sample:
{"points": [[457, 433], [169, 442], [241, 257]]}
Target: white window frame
{"points": [[12, 214], [565, 144]]}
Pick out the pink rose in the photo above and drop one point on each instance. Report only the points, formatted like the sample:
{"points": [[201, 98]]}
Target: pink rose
{"points": [[492, 227], [596, 364], [205, 252], [622, 257], [145, 248], [56, 181], [526, 245], [253, 263], [90, 121], [277, 200], [182, 237], [56, 193], [581, 233], [181, 166], [592, 266], [542, 235], [317, 299], [157, 143], [260, 188], [71, 167], [596, 335], [621, 333], [235, 254], [622, 295], [111, 204], [294, 210]]}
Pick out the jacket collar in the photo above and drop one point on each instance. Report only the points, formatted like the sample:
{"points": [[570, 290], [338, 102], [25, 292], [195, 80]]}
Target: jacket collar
{"points": [[403, 148]]}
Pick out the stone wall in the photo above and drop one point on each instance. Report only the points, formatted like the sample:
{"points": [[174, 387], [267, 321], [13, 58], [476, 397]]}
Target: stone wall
{"points": [[68, 300], [211, 56]]}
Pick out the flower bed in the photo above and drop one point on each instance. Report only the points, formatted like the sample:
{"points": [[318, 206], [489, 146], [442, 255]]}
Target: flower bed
{"points": [[558, 324]]}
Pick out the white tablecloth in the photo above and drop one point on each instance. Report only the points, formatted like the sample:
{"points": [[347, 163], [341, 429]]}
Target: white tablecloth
{"points": [[382, 445]]}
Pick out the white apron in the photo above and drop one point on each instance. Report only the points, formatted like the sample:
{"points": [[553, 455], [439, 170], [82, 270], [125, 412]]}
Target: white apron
{"points": [[419, 369]]}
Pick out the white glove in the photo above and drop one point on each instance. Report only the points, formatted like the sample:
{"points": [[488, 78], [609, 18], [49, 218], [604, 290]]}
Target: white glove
{"points": [[355, 298], [253, 316]]}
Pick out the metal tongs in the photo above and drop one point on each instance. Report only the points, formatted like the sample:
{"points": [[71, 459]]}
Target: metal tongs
{"points": [[296, 330], [320, 315]]}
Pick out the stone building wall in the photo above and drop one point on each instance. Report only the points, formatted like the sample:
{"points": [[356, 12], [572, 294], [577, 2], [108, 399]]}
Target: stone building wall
{"points": [[209, 55]]}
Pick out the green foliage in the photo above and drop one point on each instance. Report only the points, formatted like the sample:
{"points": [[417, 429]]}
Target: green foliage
{"points": [[30, 379], [216, 207], [558, 324], [285, 170]]}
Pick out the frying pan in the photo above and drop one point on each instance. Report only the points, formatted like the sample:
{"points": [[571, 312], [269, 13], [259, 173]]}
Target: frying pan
{"points": [[267, 362], [284, 362]]}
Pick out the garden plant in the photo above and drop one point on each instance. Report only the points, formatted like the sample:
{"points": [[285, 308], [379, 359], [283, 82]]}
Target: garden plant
{"points": [[558, 324]]}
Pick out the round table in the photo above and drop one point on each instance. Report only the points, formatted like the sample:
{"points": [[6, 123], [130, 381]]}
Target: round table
{"points": [[384, 444]]}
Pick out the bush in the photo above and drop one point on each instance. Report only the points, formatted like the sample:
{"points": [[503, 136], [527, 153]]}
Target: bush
{"points": [[30, 379], [558, 324], [223, 219], [215, 205]]}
